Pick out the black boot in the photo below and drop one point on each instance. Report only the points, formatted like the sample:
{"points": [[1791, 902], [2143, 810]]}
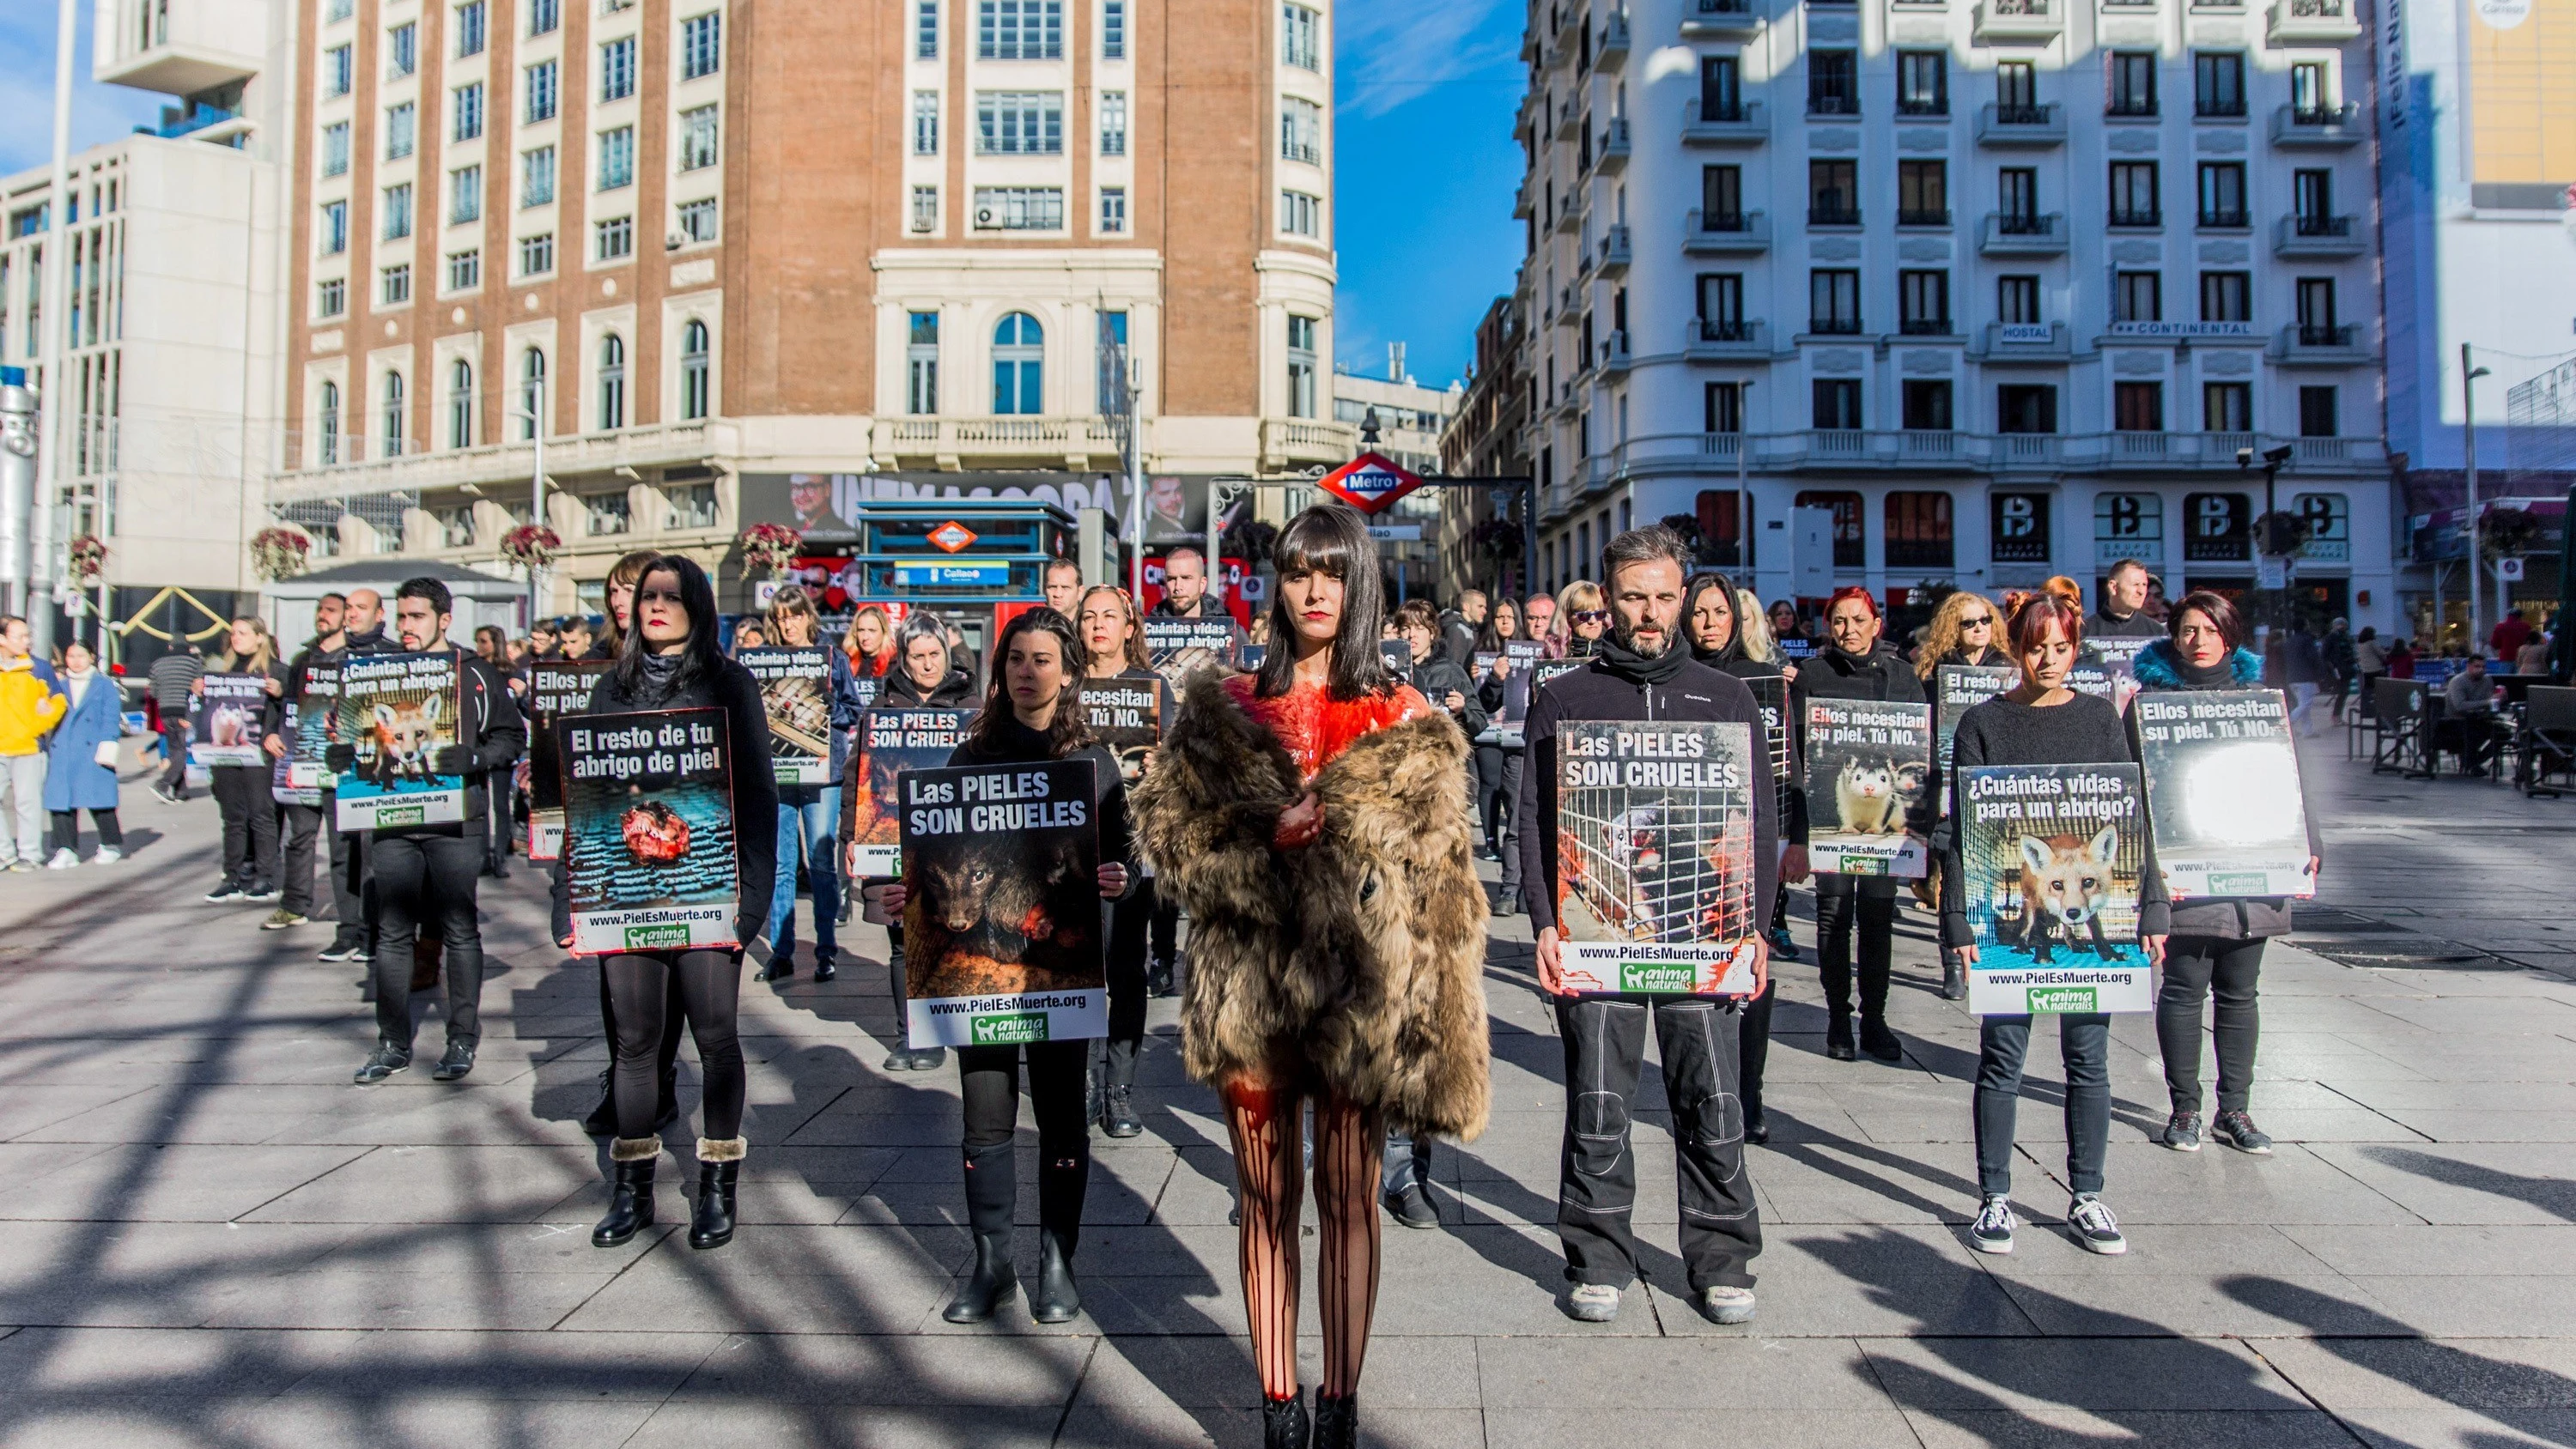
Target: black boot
{"points": [[992, 1193], [1118, 1097], [900, 1057], [719, 1168], [602, 1121], [630, 1205], [1337, 1422], [1283, 1422], [1838, 1038], [1954, 978], [1055, 1300], [1880, 1042]]}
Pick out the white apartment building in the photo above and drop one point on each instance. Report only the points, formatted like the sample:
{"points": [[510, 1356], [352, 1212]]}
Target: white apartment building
{"points": [[2006, 284]]}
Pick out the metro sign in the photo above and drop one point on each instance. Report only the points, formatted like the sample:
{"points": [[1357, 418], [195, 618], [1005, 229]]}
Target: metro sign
{"points": [[952, 536], [1369, 483]]}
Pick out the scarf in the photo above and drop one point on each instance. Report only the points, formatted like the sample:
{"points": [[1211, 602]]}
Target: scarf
{"points": [[662, 676], [1636, 668]]}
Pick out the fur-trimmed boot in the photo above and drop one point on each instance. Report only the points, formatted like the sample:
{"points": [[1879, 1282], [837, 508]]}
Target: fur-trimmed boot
{"points": [[992, 1195], [630, 1204], [719, 1167]]}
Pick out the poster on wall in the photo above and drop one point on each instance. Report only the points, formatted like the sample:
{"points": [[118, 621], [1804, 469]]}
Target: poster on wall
{"points": [[796, 693], [1655, 868], [398, 712], [2223, 793], [557, 688], [224, 725], [890, 742], [649, 843], [1003, 939], [1867, 764]]}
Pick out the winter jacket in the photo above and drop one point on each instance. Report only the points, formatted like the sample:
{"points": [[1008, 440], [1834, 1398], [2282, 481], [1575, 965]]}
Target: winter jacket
{"points": [[1436, 676], [1883, 676], [2101, 625], [1457, 641], [74, 780], [172, 675], [755, 790], [2228, 918], [31, 704], [899, 692]]}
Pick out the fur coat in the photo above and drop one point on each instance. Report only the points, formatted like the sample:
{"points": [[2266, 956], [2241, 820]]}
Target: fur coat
{"points": [[1355, 963]]}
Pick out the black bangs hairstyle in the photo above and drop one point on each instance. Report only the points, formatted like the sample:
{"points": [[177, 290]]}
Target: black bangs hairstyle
{"points": [[1725, 586], [1329, 539], [699, 657], [1071, 729]]}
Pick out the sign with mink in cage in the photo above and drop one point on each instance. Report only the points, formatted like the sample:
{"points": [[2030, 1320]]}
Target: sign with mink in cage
{"points": [[1002, 918], [1867, 763], [650, 856], [796, 693], [890, 742], [1957, 688], [303, 774], [2049, 860], [1654, 848]]}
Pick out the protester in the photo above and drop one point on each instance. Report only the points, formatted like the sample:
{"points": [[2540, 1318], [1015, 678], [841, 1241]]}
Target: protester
{"points": [[541, 639], [809, 814], [1539, 622], [668, 660], [173, 679], [80, 773], [1186, 594], [1761, 649], [1586, 618], [1962, 631], [1498, 763], [924, 679], [306, 825], [1064, 586], [2042, 722], [1294, 884], [870, 643], [577, 642], [1854, 664], [2123, 613], [249, 811], [1113, 642], [1033, 712], [362, 627], [2215, 945], [749, 635], [1786, 625], [1644, 671], [1457, 628]]}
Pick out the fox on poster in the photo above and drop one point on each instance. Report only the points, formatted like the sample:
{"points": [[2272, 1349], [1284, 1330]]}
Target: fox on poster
{"points": [[2223, 793], [649, 851], [397, 711], [2049, 858], [1002, 920], [1655, 869], [556, 688]]}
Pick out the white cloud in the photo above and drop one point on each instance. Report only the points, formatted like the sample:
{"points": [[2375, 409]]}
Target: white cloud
{"points": [[1389, 52]]}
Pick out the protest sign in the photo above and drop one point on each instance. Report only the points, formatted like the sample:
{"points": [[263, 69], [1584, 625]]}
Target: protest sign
{"points": [[1002, 921], [2049, 863], [1957, 688], [398, 712], [890, 742], [2223, 793], [1655, 869], [557, 688], [796, 693], [650, 856], [1180, 648], [1127, 716], [224, 725], [301, 776], [1867, 763]]}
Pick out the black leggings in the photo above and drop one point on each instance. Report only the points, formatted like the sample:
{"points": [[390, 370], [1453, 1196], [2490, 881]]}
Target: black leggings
{"points": [[710, 987], [1843, 901], [1128, 923], [249, 814], [67, 829], [991, 1076], [2196, 967]]}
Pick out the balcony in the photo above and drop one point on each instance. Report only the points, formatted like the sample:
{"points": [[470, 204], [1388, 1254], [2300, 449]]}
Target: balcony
{"points": [[1525, 200], [1743, 125], [1832, 106], [953, 441], [1568, 313], [1569, 213], [1833, 216], [2236, 220], [1730, 340], [2136, 218], [1705, 19], [303, 475], [214, 124], [2021, 19], [1613, 44], [1614, 354], [191, 47], [2295, 237], [1615, 148], [1743, 233], [2303, 344], [2008, 234], [1940, 327], [2013, 127], [1918, 216], [2317, 126], [1569, 117], [2312, 21], [2027, 344], [1293, 442], [1612, 257]]}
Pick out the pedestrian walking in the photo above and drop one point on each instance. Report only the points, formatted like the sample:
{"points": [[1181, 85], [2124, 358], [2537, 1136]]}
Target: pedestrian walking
{"points": [[249, 810], [1113, 643], [173, 677], [31, 705], [80, 772]]}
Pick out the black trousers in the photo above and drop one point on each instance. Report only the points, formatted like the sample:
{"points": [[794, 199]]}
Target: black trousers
{"points": [[250, 824], [1605, 1049], [1129, 923], [174, 750], [420, 880], [991, 1077], [1501, 816], [496, 817], [708, 986], [67, 829], [2003, 1045], [306, 827], [1167, 928], [1844, 902], [1753, 1047], [2198, 967]]}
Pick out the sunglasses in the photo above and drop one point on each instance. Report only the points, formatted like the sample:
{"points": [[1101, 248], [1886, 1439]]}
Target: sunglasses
{"points": [[1589, 616], [1979, 622]]}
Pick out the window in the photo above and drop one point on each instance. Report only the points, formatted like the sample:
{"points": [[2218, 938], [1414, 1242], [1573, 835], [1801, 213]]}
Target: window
{"points": [[2138, 297], [1721, 307], [465, 106], [469, 29], [692, 505], [2017, 194], [617, 69], [1721, 88], [2317, 412], [1019, 29], [613, 240], [465, 271], [1113, 123], [338, 71], [402, 48], [464, 195], [1019, 123], [2312, 201], [330, 298], [1301, 214], [335, 149], [1922, 83], [925, 208], [1019, 208], [537, 84], [697, 138], [925, 30], [1837, 403], [2133, 83], [1019, 355], [2220, 528], [537, 177], [2222, 193], [616, 158], [2017, 527], [1722, 410], [544, 16], [2226, 297], [2317, 312], [335, 228], [2218, 83], [460, 425], [397, 211], [391, 441], [2227, 407], [701, 45], [925, 123], [921, 355], [1721, 198], [1833, 303], [1851, 541], [1113, 210], [2138, 407], [401, 130], [2017, 91], [2017, 301], [335, 11], [536, 255], [1927, 405], [1299, 29], [606, 513], [694, 390], [1923, 303], [1922, 193], [1833, 83], [329, 423], [612, 382], [1918, 524], [455, 525], [2309, 101], [1302, 332], [393, 285], [532, 391], [1833, 193], [2025, 408], [2133, 194], [1301, 131], [698, 220]]}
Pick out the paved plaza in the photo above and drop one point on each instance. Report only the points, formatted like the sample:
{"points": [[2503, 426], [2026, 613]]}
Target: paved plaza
{"points": [[213, 1239]]}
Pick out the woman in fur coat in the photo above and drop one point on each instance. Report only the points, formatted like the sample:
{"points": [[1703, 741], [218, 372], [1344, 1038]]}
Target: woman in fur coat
{"points": [[1313, 818]]}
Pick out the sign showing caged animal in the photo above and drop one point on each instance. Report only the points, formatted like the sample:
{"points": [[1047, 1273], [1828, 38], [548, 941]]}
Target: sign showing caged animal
{"points": [[2065, 887], [1000, 910], [1870, 795], [405, 735]]}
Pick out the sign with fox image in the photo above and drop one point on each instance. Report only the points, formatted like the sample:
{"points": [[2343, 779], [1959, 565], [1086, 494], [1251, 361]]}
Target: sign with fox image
{"points": [[650, 859], [2050, 857], [397, 712], [1867, 763], [1654, 849], [1002, 921], [2223, 793]]}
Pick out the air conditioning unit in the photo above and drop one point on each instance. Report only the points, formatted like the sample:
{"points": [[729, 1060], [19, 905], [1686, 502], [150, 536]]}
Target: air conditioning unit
{"points": [[674, 242], [986, 216]]}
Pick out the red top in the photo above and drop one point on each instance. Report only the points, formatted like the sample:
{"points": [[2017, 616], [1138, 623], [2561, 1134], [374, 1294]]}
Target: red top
{"points": [[1315, 728]]}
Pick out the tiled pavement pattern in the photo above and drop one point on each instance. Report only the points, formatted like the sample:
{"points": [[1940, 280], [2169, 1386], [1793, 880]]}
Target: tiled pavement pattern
{"points": [[212, 1239]]}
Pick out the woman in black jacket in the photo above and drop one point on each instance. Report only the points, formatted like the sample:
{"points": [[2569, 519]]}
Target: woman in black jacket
{"points": [[1034, 712], [2217, 943], [924, 675], [1855, 665], [1498, 766], [2042, 722], [669, 661], [1113, 642]]}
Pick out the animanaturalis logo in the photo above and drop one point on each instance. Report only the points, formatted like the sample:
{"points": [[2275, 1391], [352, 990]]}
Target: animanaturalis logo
{"points": [[1657, 976], [2242, 883], [2066, 1000], [645, 938], [1015, 1029], [401, 815]]}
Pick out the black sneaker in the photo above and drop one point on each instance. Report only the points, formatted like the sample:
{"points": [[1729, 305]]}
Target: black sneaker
{"points": [[1158, 981], [2182, 1132], [1879, 1042], [1992, 1232], [780, 967], [1783, 948], [1118, 1113], [2095, 1228], [1757, 1130], [228, 891], [387, 1060], [2237, 1130], [265, 894], [1411, 1207], [453, 1066], [825, 967]]}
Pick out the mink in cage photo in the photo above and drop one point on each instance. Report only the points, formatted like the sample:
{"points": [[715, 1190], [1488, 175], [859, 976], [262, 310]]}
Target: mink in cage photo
{"points": [[1641, 859]]}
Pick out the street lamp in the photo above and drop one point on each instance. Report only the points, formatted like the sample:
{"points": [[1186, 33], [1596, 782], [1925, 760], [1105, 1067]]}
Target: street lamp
{"points": [[2268, 535], [2469, 374], [534, 416]]}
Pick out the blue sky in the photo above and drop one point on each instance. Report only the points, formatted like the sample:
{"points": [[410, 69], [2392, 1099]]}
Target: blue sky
{"points": [[1428, 165]]}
